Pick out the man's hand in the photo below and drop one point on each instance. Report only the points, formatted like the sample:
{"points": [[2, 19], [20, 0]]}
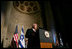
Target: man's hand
{"points": [[26, 41]]}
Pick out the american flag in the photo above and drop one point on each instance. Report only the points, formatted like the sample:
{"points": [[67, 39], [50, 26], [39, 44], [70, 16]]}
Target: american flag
{"points": [[16, 36]]}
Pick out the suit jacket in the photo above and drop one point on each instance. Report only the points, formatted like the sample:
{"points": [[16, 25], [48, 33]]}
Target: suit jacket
{"points": [[33, 38]]}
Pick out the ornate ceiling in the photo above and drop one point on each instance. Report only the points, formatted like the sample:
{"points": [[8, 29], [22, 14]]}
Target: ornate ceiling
{"points": [[27, 6]]}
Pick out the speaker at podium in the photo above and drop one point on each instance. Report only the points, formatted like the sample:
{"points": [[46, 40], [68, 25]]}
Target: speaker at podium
{"points": [[45, 39]]}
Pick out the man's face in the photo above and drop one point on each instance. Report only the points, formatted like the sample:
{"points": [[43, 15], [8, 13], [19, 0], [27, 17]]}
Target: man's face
{"points": [[35, 26]]}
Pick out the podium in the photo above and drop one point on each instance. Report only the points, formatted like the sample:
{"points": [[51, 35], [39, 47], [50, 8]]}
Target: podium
{"points": [[45, 39]]}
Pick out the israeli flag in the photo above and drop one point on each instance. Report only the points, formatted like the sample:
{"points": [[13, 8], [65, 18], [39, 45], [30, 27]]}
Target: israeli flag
{"points": [[22, 40]]}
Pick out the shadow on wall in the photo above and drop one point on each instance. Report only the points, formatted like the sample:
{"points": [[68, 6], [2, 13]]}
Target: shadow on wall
{"points": [[4, 6], [9, 46], [2, 44]]}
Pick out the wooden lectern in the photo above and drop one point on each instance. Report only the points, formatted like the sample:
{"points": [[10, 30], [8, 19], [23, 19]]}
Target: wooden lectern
{"points": [[45, 39]]}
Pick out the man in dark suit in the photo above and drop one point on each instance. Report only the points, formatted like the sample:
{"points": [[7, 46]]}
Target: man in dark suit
{"points": [[33, 37]]}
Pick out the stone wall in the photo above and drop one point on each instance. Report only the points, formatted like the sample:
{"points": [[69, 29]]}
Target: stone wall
{"points": [[2, 27], [14, 17]]}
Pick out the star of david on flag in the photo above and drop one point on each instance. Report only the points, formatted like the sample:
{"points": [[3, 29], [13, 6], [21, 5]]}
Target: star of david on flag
{"points": [[22, 40]]}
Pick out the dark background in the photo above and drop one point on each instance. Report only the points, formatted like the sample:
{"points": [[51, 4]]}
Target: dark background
{"points": [[62, 12]]}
